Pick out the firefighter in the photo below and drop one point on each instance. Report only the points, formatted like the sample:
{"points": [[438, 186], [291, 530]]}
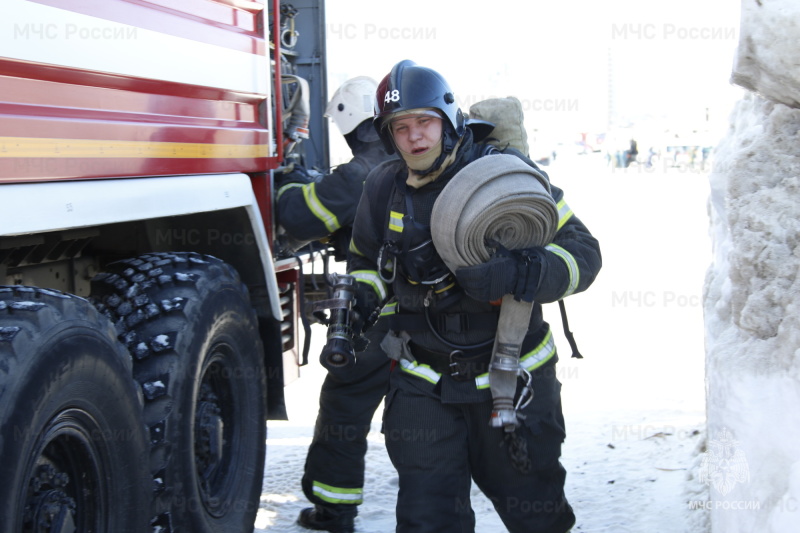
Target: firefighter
{"points": [[436, 415], [311, 209], [333, 477]]}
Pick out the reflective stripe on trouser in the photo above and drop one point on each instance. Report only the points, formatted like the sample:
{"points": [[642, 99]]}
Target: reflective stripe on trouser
{"points": [[334, 468], [333, 494], [439, 448]]}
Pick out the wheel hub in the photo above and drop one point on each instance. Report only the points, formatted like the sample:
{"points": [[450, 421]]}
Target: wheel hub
{"points": [[210, 439], [209, 445], [50, 508]]}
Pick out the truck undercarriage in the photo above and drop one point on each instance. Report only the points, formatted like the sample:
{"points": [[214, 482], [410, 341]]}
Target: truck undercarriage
{"points": [[147, 327]]}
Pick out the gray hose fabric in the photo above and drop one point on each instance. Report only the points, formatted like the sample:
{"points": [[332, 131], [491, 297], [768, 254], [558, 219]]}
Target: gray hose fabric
{"points": [[496, 198]]}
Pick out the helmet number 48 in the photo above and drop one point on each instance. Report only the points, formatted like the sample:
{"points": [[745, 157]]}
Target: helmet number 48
{"points": [[391, 96]]}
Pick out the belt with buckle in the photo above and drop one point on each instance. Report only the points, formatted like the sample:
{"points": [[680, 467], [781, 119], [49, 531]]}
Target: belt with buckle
{"points": [[461, 365]]}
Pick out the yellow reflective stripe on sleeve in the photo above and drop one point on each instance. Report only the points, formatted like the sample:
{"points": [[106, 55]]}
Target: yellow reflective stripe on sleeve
{"points": [[529, 361], [389, 309], [354, 249], [396, 221], [371, 278], [332, 494], [564, 213], [319, 210], [421, 371], [286, 188], [572, 266]]}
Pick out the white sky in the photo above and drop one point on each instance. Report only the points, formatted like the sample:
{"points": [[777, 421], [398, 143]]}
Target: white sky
{"points": [[576, 64]]}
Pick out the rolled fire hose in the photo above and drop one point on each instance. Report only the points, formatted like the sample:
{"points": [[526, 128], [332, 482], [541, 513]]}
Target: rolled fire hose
{"points": [[496, 198], [297, 112]]}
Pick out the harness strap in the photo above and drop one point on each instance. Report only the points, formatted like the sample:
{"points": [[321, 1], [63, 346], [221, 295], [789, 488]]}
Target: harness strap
{"points": [[567, 332]]}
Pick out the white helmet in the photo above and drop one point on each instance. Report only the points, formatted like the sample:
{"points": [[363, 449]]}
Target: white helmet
{"points": [[352, 103]]}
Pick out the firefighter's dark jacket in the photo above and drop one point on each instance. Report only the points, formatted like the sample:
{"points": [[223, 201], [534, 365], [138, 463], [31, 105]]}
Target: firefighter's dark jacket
{"points": [[568, 265], [313, 209]]}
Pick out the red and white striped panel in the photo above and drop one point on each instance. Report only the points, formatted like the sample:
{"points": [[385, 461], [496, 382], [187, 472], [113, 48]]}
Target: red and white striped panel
{"points": [[108, 88]]}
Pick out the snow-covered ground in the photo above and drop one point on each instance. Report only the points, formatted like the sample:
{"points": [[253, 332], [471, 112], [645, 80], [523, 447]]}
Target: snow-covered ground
{"points": [[635, 406]]}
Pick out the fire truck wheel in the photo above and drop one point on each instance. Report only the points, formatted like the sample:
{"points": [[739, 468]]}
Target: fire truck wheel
{"points": [[187, 320], [72, 439]]}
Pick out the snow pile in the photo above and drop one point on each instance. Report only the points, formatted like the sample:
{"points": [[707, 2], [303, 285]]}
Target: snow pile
{"points": [[752, 304], [767, 60], [752, 325]]}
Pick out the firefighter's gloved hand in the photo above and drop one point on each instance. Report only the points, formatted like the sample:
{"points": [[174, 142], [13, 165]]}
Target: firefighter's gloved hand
{"points": [[367, 302], [515, 274], [298, 176]]}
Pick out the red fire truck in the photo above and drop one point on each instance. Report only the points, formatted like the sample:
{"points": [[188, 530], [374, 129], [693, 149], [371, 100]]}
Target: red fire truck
{"points": [[147, 324]]}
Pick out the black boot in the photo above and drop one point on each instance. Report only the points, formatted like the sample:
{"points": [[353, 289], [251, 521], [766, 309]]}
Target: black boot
{"points": [[333, 518]]}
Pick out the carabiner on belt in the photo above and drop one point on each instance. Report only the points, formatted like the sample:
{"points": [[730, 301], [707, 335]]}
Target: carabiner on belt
{"points": [[526, 394]]}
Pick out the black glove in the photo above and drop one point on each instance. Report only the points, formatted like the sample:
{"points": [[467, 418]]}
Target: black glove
{"points": [[367, 303], [297, 175], [515, 273]]}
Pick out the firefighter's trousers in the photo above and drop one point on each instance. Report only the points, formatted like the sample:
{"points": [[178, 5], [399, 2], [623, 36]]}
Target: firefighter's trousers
{"points": [[334, 468], [439, 440]]}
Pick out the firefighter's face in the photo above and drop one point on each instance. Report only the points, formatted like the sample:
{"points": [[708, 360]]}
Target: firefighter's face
{"points": [[416, 134]]}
